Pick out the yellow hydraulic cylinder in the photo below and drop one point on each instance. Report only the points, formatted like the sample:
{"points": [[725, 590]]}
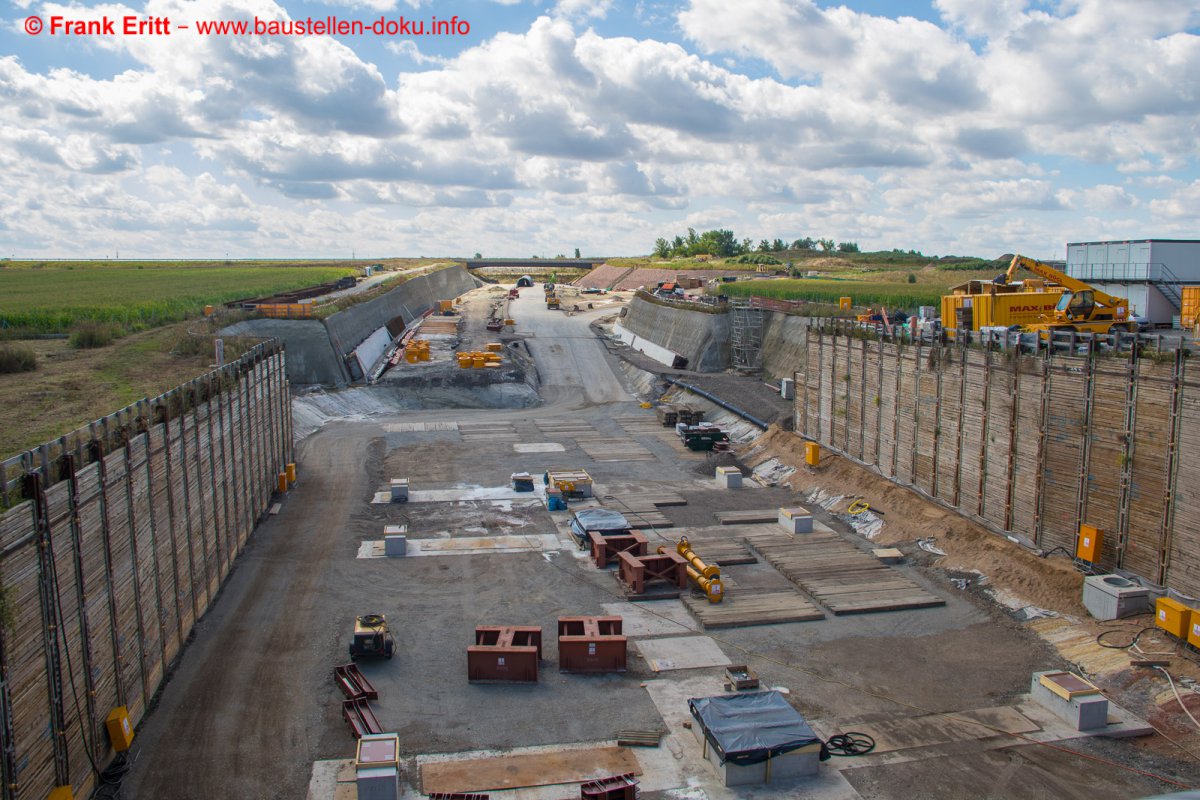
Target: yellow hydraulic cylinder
{"points": [[706, 576], [684, 548]]}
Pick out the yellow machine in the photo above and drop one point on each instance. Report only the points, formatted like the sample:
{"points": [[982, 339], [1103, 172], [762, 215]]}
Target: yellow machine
{"points": [[984, 304], [706, 576], [1080, 307], [371, 637], [552, 301]]}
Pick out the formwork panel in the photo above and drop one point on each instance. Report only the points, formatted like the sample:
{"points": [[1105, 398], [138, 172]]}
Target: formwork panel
{"points": [[950, 409], [1065, 418], [906, 414], [1107, 454], [825, 392], [1183, 572], [1148, 473], [124, 584], [145, 559], [854, 399], [25, 654], [928, 429], [973, 433], [871, 400], [998, 441], [890, 367], [839, 389], [164, 544], [1027, 448]]}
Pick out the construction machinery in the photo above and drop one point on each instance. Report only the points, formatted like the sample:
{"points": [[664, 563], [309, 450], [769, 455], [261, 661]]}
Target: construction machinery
{"points": [[1078, 306], [706, 576], [372, 638], [552, 301]]}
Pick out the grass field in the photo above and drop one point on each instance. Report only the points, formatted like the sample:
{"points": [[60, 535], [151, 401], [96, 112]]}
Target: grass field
{"points": [[49, 298]]}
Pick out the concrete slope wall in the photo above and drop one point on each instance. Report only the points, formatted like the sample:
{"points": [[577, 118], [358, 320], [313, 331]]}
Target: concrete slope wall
{"points": [[347, 329], [317, 349], [703, 339], [783, 344], [310, 355], [118, 539], [1030, 446]]}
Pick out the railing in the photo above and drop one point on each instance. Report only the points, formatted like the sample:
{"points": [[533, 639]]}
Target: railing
{"points": [[1050, 342]]}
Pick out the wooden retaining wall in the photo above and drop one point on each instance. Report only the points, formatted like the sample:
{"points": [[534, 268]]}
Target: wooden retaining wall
{"points": [[1027, 445], [114, 541]]}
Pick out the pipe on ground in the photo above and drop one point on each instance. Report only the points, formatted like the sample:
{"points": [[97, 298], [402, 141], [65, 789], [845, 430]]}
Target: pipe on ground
{"points": [[727, 406]]}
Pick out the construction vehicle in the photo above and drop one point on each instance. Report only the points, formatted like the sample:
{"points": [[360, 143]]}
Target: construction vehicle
{"points": [[552, 301], [1080, 306], [372, 638]]}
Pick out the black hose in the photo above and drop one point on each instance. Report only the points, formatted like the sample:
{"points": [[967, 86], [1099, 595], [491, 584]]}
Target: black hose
{"points": [[727, 406], [850, 743]]}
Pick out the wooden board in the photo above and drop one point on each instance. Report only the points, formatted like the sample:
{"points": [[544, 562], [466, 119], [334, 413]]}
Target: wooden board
{"points": [[840, 576], [722, 551], [516, 771], [743, 610], [614, 449], [747, 517]]}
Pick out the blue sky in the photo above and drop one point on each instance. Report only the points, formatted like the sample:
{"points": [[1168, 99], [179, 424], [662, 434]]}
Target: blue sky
{"points": [[950, 127]]}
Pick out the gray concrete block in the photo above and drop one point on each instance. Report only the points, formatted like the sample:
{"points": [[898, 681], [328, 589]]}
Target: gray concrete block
{"points": [[1084, 713]]}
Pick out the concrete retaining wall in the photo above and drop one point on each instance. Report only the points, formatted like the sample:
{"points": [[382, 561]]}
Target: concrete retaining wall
{"points": [[783, 344], [310, 355], [347, 329], [317, 349], [703, 339]]}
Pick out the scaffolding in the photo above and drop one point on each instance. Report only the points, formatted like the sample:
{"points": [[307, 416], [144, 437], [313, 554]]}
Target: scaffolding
{"points": [[745, 336]]}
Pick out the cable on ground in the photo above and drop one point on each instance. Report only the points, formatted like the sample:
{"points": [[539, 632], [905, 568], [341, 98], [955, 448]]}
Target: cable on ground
{"points": [[850, 743]]}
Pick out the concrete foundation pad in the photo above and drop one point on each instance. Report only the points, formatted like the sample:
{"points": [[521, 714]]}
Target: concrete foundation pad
{"points": [[538, 447], [463, 493], [682, 652], [467, 545], [653, 618]]}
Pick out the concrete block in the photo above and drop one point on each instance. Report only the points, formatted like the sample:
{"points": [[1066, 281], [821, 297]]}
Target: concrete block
{"points": [[395, 546], [1084, 713], [805, 762], [787, 388], [795, 520], [399, 488], [729, 477]]}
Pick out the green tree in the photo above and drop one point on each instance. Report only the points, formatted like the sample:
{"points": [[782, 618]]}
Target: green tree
{"points": [[747, 245], [806, 243], [778, 246], [478, 256], [827, 245], [764, 246], [577, 252], [662, 248], [848, 247]]}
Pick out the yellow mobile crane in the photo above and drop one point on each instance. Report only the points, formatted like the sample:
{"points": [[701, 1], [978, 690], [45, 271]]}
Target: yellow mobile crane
{"points": [[1081, 307]]}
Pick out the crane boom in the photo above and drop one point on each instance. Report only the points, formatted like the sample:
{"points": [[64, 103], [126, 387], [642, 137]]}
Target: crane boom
{"points": [[1081, 307]]}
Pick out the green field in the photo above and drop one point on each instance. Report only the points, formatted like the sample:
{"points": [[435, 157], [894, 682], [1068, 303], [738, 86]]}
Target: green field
{"points": [[51, 298]]}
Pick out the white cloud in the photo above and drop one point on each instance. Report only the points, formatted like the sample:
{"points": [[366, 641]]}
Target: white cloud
{"points": [[893, 132]]}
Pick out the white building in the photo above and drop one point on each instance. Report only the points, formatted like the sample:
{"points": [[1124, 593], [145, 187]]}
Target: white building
{"points": [[1150, 272]]}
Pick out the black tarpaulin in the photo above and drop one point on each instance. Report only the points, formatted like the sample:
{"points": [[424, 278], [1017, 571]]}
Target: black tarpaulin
{"points": [[600, 519], [751, 727]]}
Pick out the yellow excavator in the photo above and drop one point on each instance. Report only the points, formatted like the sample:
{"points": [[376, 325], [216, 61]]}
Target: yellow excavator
{"points": [[1081, 307]]}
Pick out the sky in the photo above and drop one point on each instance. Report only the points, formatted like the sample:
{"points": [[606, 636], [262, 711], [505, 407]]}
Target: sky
{"points": [[534, 127]]}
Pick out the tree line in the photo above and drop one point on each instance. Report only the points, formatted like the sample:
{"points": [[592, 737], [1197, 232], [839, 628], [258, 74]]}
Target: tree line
{"points": [[722, 243]]}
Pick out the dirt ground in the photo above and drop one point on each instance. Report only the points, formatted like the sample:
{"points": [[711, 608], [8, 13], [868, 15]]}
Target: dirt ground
{"points": [[73, 387], [252, 704]]}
